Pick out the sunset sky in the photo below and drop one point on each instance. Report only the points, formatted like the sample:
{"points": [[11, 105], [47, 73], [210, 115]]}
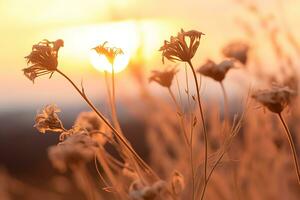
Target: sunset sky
{"points": [[126, 23]]}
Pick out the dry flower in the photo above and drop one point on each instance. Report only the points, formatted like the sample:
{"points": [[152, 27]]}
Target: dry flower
{"points": [[48, 120], [89, 120], [164, 78], [177, 183], [275, 99], [109, 52], [216, 71], [181, 47], [77, 149], [237, 50], [42, 59]]}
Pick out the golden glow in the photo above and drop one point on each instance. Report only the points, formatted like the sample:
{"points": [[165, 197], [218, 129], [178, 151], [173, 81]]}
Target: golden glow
{"points": [[101, 63], [122, 35], [129, 35]]}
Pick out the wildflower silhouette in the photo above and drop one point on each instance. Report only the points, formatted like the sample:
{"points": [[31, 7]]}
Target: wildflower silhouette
{"points": [[42, 59], [164, 78], [109, 52], [216, 71], [182, 48], [179, 49], [276, 100]]}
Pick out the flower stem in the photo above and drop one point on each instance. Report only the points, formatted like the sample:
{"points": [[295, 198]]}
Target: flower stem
{"points": [[203, 124], [226, 106], [113, 97], [292, 145], [116, 133], [179, 110]]}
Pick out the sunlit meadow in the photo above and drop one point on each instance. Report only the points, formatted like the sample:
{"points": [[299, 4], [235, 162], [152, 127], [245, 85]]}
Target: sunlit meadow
{"points": [[150, 100]]}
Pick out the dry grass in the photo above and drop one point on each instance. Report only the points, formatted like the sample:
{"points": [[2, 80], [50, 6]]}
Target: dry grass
{"points": [[198, 149]]}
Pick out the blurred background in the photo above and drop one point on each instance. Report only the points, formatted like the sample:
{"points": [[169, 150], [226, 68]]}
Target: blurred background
{"points": [[139, 27]]}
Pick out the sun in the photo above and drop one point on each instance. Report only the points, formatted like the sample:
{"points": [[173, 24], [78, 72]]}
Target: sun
{"points": [[120, 35], [101, 63]]}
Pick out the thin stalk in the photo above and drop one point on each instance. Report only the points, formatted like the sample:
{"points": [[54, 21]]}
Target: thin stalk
{"points": [[203, 124], [116, 133], [180, 112], [113, 97], [192, 161], [189, 143], [292, 145], [226, 106]]}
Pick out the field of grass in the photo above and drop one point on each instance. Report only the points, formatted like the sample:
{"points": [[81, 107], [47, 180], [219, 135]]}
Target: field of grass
{"points": [[226, 128]]}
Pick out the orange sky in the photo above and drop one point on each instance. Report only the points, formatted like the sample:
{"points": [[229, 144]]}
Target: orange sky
{"points": [[28, 21]]}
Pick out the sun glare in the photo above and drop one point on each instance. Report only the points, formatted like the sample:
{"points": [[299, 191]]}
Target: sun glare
{"points": [[128, 35], [120, 35], [101, 63]]}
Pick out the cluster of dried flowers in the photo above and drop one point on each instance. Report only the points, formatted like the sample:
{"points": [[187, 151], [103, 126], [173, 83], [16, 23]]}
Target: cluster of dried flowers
{"points": [[127, 176]]}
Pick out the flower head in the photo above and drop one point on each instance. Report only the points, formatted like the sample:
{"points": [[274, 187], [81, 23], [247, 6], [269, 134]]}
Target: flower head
{"points": [[48, 120], [164, 78], [237, 50], [182, 47], [109, 52], [78, 148], [42, 59], [216, 71], [275, 99], [89, 120]]}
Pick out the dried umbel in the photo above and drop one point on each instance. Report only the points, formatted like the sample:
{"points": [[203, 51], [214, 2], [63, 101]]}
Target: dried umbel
{"points": [[48, 120], [181, 47], [90, 121], [237, 50], [109, 52], [275, 99], [164, 78], [177, 183], [76, 149], [216, 71], [43, 59]]}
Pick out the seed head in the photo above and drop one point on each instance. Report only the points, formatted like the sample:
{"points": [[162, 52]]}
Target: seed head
{"points": [[275, 99], [48, 120], [216, 71], [89, 120], [42, 59], [181, 47], [164, 78], [237, 50], [109, 52], [77, 149]]}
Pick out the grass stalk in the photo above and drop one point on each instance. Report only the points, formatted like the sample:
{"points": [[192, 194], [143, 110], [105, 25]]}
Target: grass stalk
{"points": [[203, 122], [115, 132]]}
